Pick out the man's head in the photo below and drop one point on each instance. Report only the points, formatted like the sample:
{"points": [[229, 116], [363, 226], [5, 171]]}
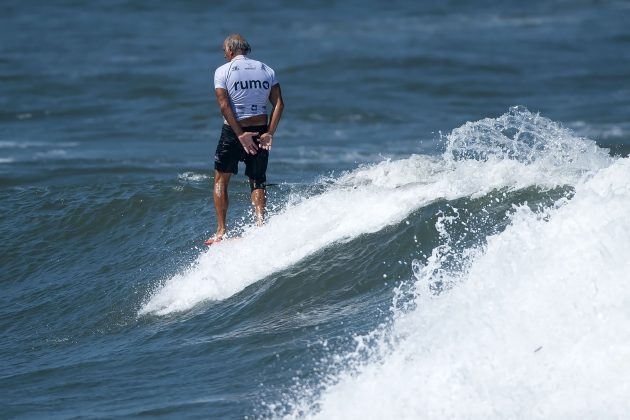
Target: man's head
{"points": [[234, 45]]}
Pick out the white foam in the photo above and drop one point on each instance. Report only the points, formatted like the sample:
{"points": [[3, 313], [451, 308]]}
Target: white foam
{"points": [[192, 177], [537, 326], [52, 154], [602, 131], [9, 144]]}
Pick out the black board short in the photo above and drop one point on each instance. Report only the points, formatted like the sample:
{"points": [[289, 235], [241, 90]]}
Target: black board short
{"points": [[230, 152]]}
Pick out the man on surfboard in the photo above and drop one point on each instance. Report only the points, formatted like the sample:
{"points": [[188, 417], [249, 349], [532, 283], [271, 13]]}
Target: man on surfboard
{"points": [[243, 87]]}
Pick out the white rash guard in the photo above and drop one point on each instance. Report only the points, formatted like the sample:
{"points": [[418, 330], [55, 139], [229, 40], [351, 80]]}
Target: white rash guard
{"points": [[248, 83]]}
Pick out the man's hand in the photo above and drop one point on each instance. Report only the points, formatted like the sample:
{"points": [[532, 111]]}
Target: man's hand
{"points": [[248, 143], [265, 141]]}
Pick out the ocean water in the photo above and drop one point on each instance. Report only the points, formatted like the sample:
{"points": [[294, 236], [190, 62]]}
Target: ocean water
{"points": [[448, 227]]}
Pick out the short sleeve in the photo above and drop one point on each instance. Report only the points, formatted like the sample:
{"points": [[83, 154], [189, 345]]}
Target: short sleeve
{"points": [[272, 76], [220, 79]]}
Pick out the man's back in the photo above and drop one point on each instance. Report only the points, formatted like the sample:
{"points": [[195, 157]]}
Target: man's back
{"points": [[248, 83]]}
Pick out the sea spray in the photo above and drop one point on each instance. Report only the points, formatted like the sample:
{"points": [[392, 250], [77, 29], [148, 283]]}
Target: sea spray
{"points": [[522, 136]]}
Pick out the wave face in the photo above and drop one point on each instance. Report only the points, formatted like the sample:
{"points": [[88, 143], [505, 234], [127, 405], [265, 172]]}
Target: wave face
{"points": [[371, 198], [528, 321]]}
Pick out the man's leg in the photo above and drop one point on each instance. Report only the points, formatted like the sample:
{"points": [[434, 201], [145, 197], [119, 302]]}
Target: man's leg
{"points": [[259, 201], [221, 202], [255, 169]]}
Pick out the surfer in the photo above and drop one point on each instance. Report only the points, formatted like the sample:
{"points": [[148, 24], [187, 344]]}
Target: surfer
{"points": [[243, 88]]}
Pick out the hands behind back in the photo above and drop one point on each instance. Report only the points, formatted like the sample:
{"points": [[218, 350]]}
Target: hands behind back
{"points": [[265, 141], [248, 143], [247, 140]]}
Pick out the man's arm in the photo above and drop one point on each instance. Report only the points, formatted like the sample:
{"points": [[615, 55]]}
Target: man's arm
{"points": [[245, 137], [275, 97]]}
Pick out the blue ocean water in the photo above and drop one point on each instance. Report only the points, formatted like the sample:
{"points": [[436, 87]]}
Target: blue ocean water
{"points": [[448, 221]]}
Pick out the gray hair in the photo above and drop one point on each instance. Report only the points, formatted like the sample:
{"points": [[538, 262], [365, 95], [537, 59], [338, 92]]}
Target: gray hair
{"points": [[236, 43]]}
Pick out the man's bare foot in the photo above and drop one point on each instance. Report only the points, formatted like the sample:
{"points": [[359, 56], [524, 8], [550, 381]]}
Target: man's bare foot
{"points": [[214, 239]]}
